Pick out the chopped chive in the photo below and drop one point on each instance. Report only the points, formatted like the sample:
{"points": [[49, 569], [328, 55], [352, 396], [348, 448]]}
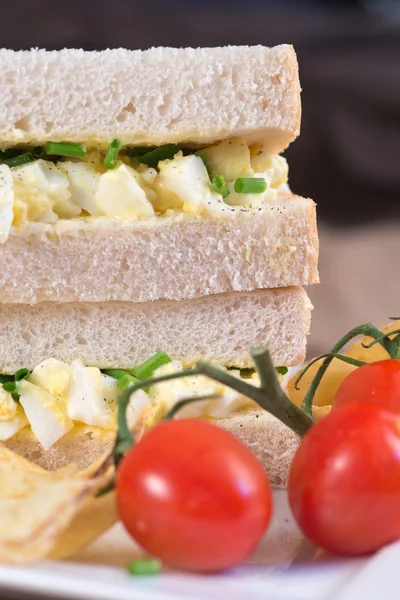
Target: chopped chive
{"points": [[282, 370], [11, 388], [220, 186], [250, 185], [153, 158], [149, 566], [116, 373], [110, 159], [19, 160], [136, 151], [10, 153], [147, 368], [22, 374], [66, 149], [125, 381], [4, 378], [40, 152]]}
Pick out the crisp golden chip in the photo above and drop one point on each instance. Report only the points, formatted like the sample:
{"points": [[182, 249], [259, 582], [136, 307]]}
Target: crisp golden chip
{"points": [[375, 353], [92, 520], [333, 377], [37, 507]]}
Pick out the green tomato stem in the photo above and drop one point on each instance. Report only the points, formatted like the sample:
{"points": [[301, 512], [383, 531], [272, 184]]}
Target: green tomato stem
{"points": [[384, 336], [268, 396], [347, 359], [275, 400], [185, 401], [367, 330]]}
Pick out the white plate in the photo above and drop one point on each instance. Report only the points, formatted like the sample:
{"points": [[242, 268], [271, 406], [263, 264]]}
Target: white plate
{"points": [[280, 569]]}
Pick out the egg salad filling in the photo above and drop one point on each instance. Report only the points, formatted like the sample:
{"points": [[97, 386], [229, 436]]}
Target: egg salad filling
{"points": [[65, 181], [56, 397]]}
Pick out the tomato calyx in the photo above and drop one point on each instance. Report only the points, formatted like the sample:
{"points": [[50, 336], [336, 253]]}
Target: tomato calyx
{"points": [[392, 347]]}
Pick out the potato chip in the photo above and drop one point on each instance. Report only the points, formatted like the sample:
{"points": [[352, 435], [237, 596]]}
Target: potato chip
{"points": [[95, 517], [375, 353], [333, 377], [38, 506]]}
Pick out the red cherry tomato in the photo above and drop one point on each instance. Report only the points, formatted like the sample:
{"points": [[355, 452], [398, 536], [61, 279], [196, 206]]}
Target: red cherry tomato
{"points": [[193, 495], [376, 382], [344, 483]]}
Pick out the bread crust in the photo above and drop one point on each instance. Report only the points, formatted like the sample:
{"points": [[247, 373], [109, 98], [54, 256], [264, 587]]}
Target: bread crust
{"points": [[174, 258], [151, 97]]}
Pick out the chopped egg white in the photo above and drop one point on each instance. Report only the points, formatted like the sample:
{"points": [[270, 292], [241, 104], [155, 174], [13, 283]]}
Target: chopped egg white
{"points": [[235, 199], [273, 167], [6, 202], [168, 393], [12, 416], [186, 179], [120, 194], [56, 395], [84, 181], [86, 400], [110, 389], [43, 189], [137, 402], [148, 173], [52, 375], [47, 415]]}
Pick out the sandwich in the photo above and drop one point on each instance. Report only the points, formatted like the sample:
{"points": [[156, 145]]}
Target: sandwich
{"points": [[146, 223]]}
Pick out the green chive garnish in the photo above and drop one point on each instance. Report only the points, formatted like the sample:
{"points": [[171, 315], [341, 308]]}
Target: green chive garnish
{"points": [[136, 151], [19, 160], [147, 368], [22, 374], [112, 154], [220, 186], [126, 381], [153, 158], [116, 373], [124, 378], [4, 378], [282, 370], [250, 185], [9, 153], [11, 388], [66, 149], [150, 566]]}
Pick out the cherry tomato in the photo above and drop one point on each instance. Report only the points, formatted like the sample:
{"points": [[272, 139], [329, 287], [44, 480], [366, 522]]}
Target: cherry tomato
{"points": [[344, 483], [193, 495], [376, 382]]}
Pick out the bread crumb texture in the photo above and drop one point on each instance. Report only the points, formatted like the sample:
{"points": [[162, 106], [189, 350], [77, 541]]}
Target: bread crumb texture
{"points": [[150, 97], [220, 328]]}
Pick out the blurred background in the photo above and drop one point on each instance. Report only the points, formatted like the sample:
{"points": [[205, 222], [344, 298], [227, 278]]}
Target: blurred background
{"points": [[348, 155]]}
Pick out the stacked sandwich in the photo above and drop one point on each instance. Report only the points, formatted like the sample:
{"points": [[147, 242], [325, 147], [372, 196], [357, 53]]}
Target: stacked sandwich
{"points": [[146, 222]]}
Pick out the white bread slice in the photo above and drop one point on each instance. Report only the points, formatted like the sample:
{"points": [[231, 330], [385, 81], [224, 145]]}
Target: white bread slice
{"points": [[221, 328], [150, 97], [271, 442], [175, 258]]}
